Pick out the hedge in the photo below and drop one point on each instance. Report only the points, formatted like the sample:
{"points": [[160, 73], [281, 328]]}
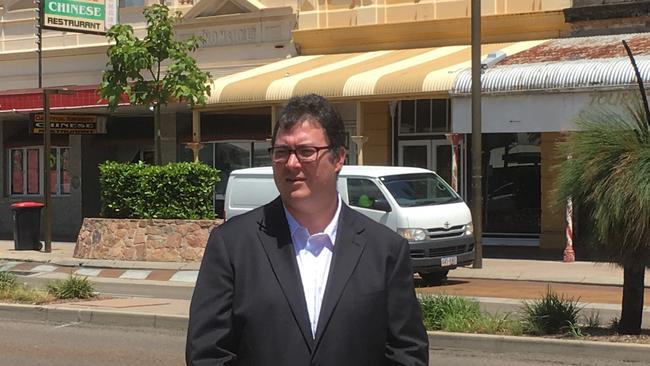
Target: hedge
{"points": [[172, 191]]}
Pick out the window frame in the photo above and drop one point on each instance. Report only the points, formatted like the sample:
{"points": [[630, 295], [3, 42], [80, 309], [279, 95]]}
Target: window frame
{"points": [[41, 178], [433, 130]]}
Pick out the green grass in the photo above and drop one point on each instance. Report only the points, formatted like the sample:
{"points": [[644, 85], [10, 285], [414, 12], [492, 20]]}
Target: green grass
{"points": [[7, 281], [12, 291], [24, 294], [458, 314], [73, 287]]}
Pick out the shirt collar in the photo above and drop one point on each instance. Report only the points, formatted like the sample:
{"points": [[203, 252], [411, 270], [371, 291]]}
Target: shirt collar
{"points": [[330, 229]]}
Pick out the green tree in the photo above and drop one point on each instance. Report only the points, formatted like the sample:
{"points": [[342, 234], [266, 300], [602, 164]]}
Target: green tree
{"points": [[155, 70], [608, 177]]}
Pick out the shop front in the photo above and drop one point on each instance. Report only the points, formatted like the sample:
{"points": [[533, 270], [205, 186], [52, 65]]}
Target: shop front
{"points": [[411, 107]]}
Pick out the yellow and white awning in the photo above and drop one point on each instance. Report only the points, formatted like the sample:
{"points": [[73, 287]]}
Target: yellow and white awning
{"points": [[352, 76]]}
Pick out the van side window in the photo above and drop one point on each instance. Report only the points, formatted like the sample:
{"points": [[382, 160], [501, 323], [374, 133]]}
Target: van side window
{"points": [[363, 193]]}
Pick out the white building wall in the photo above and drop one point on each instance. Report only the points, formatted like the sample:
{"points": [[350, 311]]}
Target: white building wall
{"points": [[535, 112]]}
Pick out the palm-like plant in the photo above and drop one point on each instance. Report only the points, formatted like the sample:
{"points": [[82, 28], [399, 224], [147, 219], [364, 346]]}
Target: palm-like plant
{"points": [[608, 178]]}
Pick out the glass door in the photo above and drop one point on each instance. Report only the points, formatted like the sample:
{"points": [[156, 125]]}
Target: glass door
{"points": [[415, 153], [442, 156], [434, 155]]}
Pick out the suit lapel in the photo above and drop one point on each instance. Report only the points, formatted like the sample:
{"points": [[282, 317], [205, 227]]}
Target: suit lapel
{"points": [[276, 240], [347, 251]]}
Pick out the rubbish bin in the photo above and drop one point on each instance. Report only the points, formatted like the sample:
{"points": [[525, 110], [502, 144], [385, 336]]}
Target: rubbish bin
{"points": [[27, 225]]}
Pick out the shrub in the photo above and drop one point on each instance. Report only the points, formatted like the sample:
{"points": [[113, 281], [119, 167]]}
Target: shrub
{"points": [[552, 314], [74, 287], [172, 191], [593, 319], [7, 281]]}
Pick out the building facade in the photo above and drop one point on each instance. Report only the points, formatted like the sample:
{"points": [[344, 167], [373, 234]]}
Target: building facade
{"points": [[398, 71], [238, 36]]}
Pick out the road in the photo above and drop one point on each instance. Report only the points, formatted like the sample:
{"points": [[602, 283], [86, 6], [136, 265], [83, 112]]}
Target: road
{"points": [[475, 358], [38, 344]]}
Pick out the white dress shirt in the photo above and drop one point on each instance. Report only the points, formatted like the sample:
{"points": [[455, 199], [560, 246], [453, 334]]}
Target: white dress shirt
{"points": [[314, 255]]}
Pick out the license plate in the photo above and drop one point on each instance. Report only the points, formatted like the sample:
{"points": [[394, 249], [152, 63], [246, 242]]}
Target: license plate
{"points": [[448, 261]]}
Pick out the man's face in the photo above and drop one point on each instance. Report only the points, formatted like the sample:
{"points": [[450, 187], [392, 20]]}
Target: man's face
{"points": [[307, 186]]}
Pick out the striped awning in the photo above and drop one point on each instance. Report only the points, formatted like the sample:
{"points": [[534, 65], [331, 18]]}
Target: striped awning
{"points": [[379, 74]]}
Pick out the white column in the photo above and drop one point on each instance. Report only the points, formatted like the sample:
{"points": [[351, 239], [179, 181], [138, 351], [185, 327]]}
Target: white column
{"points": [[359, 139]]}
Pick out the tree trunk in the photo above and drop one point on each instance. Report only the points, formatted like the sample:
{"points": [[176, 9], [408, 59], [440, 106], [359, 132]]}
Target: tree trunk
{"points": [[633, 289], [157, 144]]}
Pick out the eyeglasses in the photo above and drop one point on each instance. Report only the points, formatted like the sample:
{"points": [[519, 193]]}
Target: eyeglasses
{"points": [[304, 154]]}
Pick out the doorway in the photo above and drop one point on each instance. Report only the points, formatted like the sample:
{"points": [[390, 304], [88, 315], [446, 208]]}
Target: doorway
{"points": [[432, 154]]}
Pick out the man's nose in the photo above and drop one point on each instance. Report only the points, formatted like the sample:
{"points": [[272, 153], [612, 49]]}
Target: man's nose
{"points": [[292, 160]]}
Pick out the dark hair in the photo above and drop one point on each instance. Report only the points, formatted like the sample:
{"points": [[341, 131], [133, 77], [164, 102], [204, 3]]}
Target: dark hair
{"points": [[301, 108]]}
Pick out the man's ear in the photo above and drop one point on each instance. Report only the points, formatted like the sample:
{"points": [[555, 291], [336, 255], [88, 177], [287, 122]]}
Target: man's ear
{"points": [[340, 158]]}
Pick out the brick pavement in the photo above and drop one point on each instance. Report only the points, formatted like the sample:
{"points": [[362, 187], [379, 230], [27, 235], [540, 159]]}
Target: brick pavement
{"points": [[182, 276]]}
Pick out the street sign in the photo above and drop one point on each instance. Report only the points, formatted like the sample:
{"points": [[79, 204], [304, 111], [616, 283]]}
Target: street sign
{"points": [[81, 16]]}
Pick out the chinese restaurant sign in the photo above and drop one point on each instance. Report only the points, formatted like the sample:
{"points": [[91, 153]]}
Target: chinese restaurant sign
{"points": [[70, 124], [82, 16]]}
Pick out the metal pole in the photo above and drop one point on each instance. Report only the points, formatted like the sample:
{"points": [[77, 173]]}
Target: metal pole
{"points": [[157, 138], [47, 222], [195, 145], [477, 191], [39, 41]]}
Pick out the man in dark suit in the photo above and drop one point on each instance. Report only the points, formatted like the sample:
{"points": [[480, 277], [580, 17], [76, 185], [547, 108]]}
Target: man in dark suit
{"points": [[305, 280]]}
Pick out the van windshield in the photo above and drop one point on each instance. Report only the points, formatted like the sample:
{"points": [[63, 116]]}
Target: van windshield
{"points": [[410, 190]]}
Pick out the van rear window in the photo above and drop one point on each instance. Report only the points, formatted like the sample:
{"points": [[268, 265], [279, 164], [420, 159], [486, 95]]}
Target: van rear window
{"points": [[252, 192], [411, 190]]}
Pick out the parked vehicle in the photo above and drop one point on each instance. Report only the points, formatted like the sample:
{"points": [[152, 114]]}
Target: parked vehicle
{"points": [[414, 202]]}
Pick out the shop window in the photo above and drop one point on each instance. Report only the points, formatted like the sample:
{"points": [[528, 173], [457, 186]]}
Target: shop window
{"points": [[25, 171], [513, 183], [131, 3], [227, 156], [261, 153], [22, 5], [146, 156], [423, 116]]}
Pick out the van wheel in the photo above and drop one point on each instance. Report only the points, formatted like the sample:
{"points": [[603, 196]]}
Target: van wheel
{"points": [[434, 277]]}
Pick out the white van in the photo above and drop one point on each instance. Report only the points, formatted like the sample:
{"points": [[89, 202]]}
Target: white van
{"points": [[414, 202]]}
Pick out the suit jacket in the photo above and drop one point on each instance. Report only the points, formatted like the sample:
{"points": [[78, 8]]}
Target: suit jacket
{"points": [[248, 306]]}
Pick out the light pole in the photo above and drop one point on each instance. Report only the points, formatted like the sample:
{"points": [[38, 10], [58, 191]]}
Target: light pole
{"points": [[477, 191], [47, 221]]}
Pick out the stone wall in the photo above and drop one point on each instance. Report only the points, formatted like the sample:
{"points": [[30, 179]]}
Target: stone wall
{"points": [[143, 240]]}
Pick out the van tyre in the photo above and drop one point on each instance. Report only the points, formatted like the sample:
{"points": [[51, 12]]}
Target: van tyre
{"points": [[434, 277]]}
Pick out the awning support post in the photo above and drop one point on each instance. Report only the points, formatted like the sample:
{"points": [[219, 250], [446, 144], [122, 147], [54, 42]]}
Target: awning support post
{"points": [[359, 139], [195, 145], [274, 117]]}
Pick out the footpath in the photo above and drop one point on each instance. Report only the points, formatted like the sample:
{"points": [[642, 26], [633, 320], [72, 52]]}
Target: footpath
{"points": [[500, 286]]}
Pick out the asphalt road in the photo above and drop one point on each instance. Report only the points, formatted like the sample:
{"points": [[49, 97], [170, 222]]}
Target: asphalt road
{"points": [[39, 344], [36, 344], [453, 357]]}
